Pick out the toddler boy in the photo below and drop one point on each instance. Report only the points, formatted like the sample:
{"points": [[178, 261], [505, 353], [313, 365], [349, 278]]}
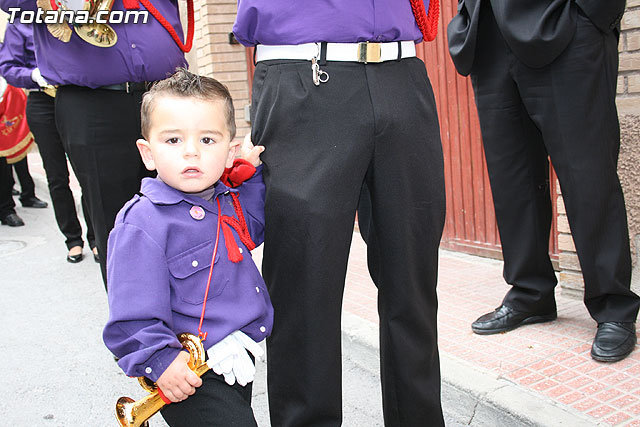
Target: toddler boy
{"points": [[160, 256]]}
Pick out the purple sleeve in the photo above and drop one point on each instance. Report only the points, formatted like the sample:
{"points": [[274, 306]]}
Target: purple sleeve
{"points": [[252, 201], [139, 329], [16, 61], [20, 4]]}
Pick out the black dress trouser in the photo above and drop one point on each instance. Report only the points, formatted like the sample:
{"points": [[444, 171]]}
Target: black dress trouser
{"points": [[99, 128], [565, 110], [371, 129], [7, 204], [42, 122], [27, 186]]}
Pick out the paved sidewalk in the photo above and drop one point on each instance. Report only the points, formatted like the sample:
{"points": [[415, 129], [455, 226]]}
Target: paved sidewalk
{"points": [[535, 375], [550, 362]]}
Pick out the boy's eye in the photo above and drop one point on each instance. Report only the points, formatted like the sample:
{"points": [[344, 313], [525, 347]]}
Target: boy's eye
{"points": [[206, 140], [173, 140]]}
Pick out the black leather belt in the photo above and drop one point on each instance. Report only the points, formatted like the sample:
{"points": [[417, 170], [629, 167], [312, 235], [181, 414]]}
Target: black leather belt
{"points": [[129, 86]]}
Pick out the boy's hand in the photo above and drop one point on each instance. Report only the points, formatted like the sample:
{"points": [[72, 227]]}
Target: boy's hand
{"points": [[178, 381], [250, 153]]}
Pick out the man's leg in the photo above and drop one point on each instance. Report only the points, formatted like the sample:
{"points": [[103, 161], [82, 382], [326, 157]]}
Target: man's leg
{"points": [[7, 205], [403, 227], [518, 172], [579, 122], [28, 197], [316, 156]]}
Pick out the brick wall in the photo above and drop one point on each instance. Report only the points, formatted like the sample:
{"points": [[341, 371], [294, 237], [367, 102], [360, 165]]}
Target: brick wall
{"points": [[628, 101], [214, 56], [629, 71]]}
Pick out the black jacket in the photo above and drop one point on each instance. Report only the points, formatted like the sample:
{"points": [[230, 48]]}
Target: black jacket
{"points": [[537, 31]]}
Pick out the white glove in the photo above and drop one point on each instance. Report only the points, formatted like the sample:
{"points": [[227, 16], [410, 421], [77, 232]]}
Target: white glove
{"points": [[230, 359], [37, 77]]}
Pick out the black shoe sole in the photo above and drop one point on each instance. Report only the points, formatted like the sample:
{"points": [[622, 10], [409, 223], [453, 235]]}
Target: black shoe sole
{"points": [[543, 318], [610, 359]]}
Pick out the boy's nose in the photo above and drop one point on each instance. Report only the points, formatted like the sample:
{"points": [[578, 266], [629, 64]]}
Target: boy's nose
{"points": [[191, 148]]}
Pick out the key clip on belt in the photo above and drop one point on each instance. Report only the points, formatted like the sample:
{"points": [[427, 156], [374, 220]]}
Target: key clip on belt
{"points": [[319, 76], [369, 52]]}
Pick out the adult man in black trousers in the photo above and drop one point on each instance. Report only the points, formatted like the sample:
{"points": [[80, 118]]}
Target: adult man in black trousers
{"points": [[346, 132], [544, 75]]}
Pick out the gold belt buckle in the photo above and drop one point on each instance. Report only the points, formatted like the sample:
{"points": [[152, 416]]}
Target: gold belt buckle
{"points": [[369, 52]]}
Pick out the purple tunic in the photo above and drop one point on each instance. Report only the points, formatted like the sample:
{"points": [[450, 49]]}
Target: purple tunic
{"points": [[17, 56], [275, 22], [143, 52], [159, 257]]}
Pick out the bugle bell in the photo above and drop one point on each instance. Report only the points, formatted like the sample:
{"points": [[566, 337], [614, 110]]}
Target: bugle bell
{"points": [[101, 35], [130, 413]]}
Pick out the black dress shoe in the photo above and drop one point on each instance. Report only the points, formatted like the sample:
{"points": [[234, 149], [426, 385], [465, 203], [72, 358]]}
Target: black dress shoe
{"points": [[15, 192], [12, 220], [33, 202], [74, 259], [96, 257], [614, 341], [505, 318]]}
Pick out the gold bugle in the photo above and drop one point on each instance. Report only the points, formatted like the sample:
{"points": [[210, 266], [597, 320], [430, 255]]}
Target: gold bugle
{"points": [[97, 34], [130, 413]]}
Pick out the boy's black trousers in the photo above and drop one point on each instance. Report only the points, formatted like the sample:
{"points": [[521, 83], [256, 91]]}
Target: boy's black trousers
{"points": [[214, 404]]}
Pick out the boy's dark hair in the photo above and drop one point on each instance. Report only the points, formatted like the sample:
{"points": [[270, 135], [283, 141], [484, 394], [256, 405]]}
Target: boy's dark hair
{"points": [[185, 84]]}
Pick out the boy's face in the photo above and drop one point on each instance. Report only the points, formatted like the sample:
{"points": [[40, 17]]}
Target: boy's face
{"points": [[189, 142]]}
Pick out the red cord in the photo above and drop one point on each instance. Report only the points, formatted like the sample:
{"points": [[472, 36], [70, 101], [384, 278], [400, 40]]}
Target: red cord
{"points": [[164, 398], [240, 224], [190, 24], [427, 22], [203, 335]]}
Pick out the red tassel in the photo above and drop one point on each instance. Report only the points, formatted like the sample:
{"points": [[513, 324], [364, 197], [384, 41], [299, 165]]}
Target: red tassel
{"points": [[230, 242], [427, 22], [131, 4]]}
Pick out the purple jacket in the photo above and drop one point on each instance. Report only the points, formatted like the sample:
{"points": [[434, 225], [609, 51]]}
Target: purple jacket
{"points": [[17, 56], [143, 52], [157, 268], [290, 22]]}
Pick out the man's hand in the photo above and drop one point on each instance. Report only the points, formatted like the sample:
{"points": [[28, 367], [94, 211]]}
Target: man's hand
{"points": [[178, 381], [250, 153]]}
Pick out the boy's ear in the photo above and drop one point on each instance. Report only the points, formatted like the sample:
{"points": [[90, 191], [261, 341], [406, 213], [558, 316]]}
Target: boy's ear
{"points": [[233, 149], [145, 153]]}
